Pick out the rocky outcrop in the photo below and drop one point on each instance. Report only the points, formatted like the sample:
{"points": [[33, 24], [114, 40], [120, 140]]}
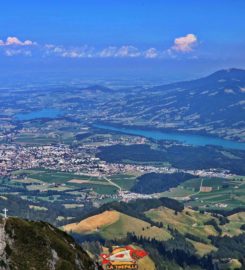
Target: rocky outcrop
{"points": [[38, 245]]}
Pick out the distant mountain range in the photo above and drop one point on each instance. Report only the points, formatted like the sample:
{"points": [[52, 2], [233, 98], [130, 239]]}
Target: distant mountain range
{"points": [[211, 105]]}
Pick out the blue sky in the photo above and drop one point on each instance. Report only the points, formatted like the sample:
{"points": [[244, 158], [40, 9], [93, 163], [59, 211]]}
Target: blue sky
{"points": [[186, 35]]}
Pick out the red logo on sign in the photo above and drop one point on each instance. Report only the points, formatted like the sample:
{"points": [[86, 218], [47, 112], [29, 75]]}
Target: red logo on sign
{"points": [[123, 258]]}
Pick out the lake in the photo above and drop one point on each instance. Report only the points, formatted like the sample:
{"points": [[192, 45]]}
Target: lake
{"points": [[44, 113], [196, 140]]}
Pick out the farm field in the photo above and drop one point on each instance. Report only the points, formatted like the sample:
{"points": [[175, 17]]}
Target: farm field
{"points": [[51, 176], [126, 182], [224, 193], [41, 179]]}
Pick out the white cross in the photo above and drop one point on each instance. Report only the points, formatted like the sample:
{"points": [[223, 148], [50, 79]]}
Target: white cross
{"points": [[5, 212]]}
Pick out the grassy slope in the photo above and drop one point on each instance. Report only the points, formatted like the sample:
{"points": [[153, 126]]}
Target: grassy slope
{"points": [[188, 221], [93, 223], [233, 227], [202, 248], [113, 224], [127, 223]]}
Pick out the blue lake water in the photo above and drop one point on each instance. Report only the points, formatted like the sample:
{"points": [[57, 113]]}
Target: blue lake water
{"points": [[197, 140], [44, 113]]}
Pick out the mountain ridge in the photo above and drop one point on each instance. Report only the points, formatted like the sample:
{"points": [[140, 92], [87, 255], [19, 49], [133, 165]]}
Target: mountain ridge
{"points": [[212, 105], [37, 245]]}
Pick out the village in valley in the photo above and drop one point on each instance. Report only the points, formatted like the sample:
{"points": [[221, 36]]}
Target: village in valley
{"points": [[73, 176], [54, 158]]}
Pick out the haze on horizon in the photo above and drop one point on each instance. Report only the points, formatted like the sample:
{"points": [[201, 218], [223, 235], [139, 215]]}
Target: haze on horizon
{"points": [[161, 40]]}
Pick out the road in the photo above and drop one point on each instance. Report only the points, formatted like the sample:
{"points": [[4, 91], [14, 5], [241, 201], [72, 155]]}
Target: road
{"points": [[194, 194], [112, 183]]}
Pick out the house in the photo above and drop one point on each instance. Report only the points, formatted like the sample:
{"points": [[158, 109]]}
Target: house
{"points": [[206, 189]]}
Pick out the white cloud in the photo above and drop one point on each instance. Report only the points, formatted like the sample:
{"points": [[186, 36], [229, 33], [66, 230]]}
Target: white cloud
{"points": [[89, 52], [49, 46], [184, 44], [72, 54], [60, 51], [14, 52], [128, 51], [121, 52], [14, 46], [108, 52], [151, 53], [14, 41]]}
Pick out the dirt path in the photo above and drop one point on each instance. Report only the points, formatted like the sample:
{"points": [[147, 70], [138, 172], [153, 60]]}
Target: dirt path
{"points": [[194, 194], [112, 183]]}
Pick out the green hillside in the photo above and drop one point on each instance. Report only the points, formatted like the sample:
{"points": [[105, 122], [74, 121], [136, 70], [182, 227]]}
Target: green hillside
{"points": [[115, 225], [173, 235]]}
